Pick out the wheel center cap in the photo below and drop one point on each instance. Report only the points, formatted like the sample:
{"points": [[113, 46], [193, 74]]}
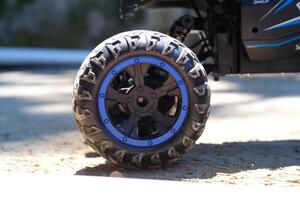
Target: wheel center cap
{"points": [[142, 101]]}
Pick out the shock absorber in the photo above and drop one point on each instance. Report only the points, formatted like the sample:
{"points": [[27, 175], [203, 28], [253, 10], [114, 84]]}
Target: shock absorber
{"points": [[189, 25], [205, 49], [181, 27]]}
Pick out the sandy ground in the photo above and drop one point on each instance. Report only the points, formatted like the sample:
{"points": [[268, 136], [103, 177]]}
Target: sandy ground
{"points": [[252, 137]]}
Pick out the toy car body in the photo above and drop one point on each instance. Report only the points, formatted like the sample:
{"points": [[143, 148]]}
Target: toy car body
{"points": [[248, 36]]}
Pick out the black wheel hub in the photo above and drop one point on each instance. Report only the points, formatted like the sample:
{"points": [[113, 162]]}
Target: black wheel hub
{"points": [[143, 101]]}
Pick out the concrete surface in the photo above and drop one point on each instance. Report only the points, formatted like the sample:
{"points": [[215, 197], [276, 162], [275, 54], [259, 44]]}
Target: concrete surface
{"points": [[86, 187], [252, 137]]}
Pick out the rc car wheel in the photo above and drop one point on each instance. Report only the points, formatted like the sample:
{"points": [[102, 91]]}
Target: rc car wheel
{"points": [[141, 99]]}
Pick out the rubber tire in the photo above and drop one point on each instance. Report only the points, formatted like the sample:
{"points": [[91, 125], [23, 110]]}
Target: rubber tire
{"points": [[103, 58]]}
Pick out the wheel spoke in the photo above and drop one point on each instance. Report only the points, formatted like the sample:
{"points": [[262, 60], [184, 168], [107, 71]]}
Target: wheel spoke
{"points": [[161, 121], [145, 68], [130, 125], [110, 103], [167, 87], [113, 95], [138, 72], [175, 92], [134, 133], [160, 128]]}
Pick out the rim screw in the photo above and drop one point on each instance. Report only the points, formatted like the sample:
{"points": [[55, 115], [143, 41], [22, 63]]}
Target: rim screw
{"points": [[150, 143], [140, 99], [124, 139], [162, 64], [184, 108], [136, 60], [101, 96], [180, 82], [106, 121], [173, 131]]}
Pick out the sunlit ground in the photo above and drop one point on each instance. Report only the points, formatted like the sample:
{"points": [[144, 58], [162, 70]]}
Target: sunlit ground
{"points": [[252, 137]]}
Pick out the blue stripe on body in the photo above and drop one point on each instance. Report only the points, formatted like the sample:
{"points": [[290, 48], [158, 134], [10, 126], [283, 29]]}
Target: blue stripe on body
{"points": [[291, 22], [252, 46], [283, 6]]}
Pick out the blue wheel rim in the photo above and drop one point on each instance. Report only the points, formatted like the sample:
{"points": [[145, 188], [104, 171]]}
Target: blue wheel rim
{"points": [[114, 132]]}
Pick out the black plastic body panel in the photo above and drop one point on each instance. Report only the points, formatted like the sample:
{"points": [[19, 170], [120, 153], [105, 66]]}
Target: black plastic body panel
{"points": [[271, 29], [286, 65]]}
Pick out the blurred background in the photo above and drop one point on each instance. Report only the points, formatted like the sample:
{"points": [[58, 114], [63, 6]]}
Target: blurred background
{"points": [[62, 32], [71, 23]]}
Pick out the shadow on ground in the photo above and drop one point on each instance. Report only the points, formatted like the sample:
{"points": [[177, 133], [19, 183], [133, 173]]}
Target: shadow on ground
{"points": [[205, 161]]}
